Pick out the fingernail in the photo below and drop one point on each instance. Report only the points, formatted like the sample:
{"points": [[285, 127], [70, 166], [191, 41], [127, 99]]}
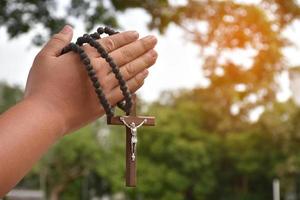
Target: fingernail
{"points": [[150, 38], [153, 53], [134, 34], [67, 29], [145, 73]]}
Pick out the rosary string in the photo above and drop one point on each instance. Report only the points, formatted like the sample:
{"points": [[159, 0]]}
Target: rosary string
{"points": [[92, 75], [88, 39], [91, 40]]}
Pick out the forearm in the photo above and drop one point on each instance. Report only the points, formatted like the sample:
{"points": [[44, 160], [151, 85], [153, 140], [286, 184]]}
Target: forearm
{"points": [[27, 131]]}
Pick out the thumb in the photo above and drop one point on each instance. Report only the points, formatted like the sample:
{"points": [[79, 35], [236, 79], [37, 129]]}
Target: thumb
{"points": [[58, 41]]}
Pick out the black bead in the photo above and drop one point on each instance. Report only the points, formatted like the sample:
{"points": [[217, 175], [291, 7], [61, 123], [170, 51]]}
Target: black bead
{"points": [[103, 54], [122, 82], [104, 102], [109, 30], [89, 67], [100, 30], [119, 77], [86, 36], [80, 41], [94, 78], [67, 48], [115, 70], [92, 43], [113, 64], [100, 49], [80, 50], [123, 87], [128, 96], [96, 45], [108, 59], [74, 47], [98, 91], [101, 97], [92, 72], [121, 104], [96, 84], [83, 55], [86, 61], [95, 35]]}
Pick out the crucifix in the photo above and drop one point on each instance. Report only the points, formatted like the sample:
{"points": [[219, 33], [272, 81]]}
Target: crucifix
{"points": [[128, 105], [132, 123]]}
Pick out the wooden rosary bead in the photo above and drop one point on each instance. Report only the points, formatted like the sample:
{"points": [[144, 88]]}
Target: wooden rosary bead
{"points": [[83, 55], [100, 49], [115, 70], [80, 41], [109, 31], [74, 47], [119, 76], [123, 87], [86, 61], [108, 59], [95, 35], [86, 36], [100, 96], [100, 30], [89, 67], [92, 43], [94, 79], [63, 51], [92, 72], [121, 105], [96, 84], [67, 48], [80, 50], [122, 82], [98, 91], [103, 54], [97, 45], [113, 65]]}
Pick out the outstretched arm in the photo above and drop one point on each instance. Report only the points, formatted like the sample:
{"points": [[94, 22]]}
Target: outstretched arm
{"points": [[59, 97]]}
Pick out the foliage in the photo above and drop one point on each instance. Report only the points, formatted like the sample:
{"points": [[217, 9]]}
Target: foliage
{"points": [[9, 96], [70, 160]]}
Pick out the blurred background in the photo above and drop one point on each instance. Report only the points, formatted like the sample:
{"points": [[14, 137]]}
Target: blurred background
{"points": [[225, 91]]}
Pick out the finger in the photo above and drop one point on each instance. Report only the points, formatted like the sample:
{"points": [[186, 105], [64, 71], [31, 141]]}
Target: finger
{"points": [[132, 68], [113, 42], [58, 42], [133, 84], [128, 53]]}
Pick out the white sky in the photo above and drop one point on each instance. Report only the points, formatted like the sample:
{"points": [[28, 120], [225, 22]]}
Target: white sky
{"points": [[178, 65]]}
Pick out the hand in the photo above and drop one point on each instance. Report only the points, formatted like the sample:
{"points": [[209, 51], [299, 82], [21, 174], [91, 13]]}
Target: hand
{"points": [[61, 84]]}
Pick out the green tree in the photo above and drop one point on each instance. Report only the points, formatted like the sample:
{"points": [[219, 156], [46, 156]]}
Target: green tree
{"points": [[69, 163], [9, 96]]}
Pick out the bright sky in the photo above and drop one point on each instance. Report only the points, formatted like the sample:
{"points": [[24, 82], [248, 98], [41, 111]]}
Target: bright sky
{"points": [[178, 65]]}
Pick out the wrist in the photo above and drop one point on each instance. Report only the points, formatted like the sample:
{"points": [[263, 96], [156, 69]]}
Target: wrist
{"points": [[47, 113]]}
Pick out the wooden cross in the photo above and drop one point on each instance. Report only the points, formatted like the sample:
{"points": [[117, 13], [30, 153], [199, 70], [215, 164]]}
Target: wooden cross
{"points": [[131, 122]]}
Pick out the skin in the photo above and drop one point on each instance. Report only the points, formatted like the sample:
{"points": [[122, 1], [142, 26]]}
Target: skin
{"points": [[59, 97]]}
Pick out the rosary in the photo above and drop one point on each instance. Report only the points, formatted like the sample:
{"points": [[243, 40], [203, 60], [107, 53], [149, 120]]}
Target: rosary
{"points": [[128, 104]]}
